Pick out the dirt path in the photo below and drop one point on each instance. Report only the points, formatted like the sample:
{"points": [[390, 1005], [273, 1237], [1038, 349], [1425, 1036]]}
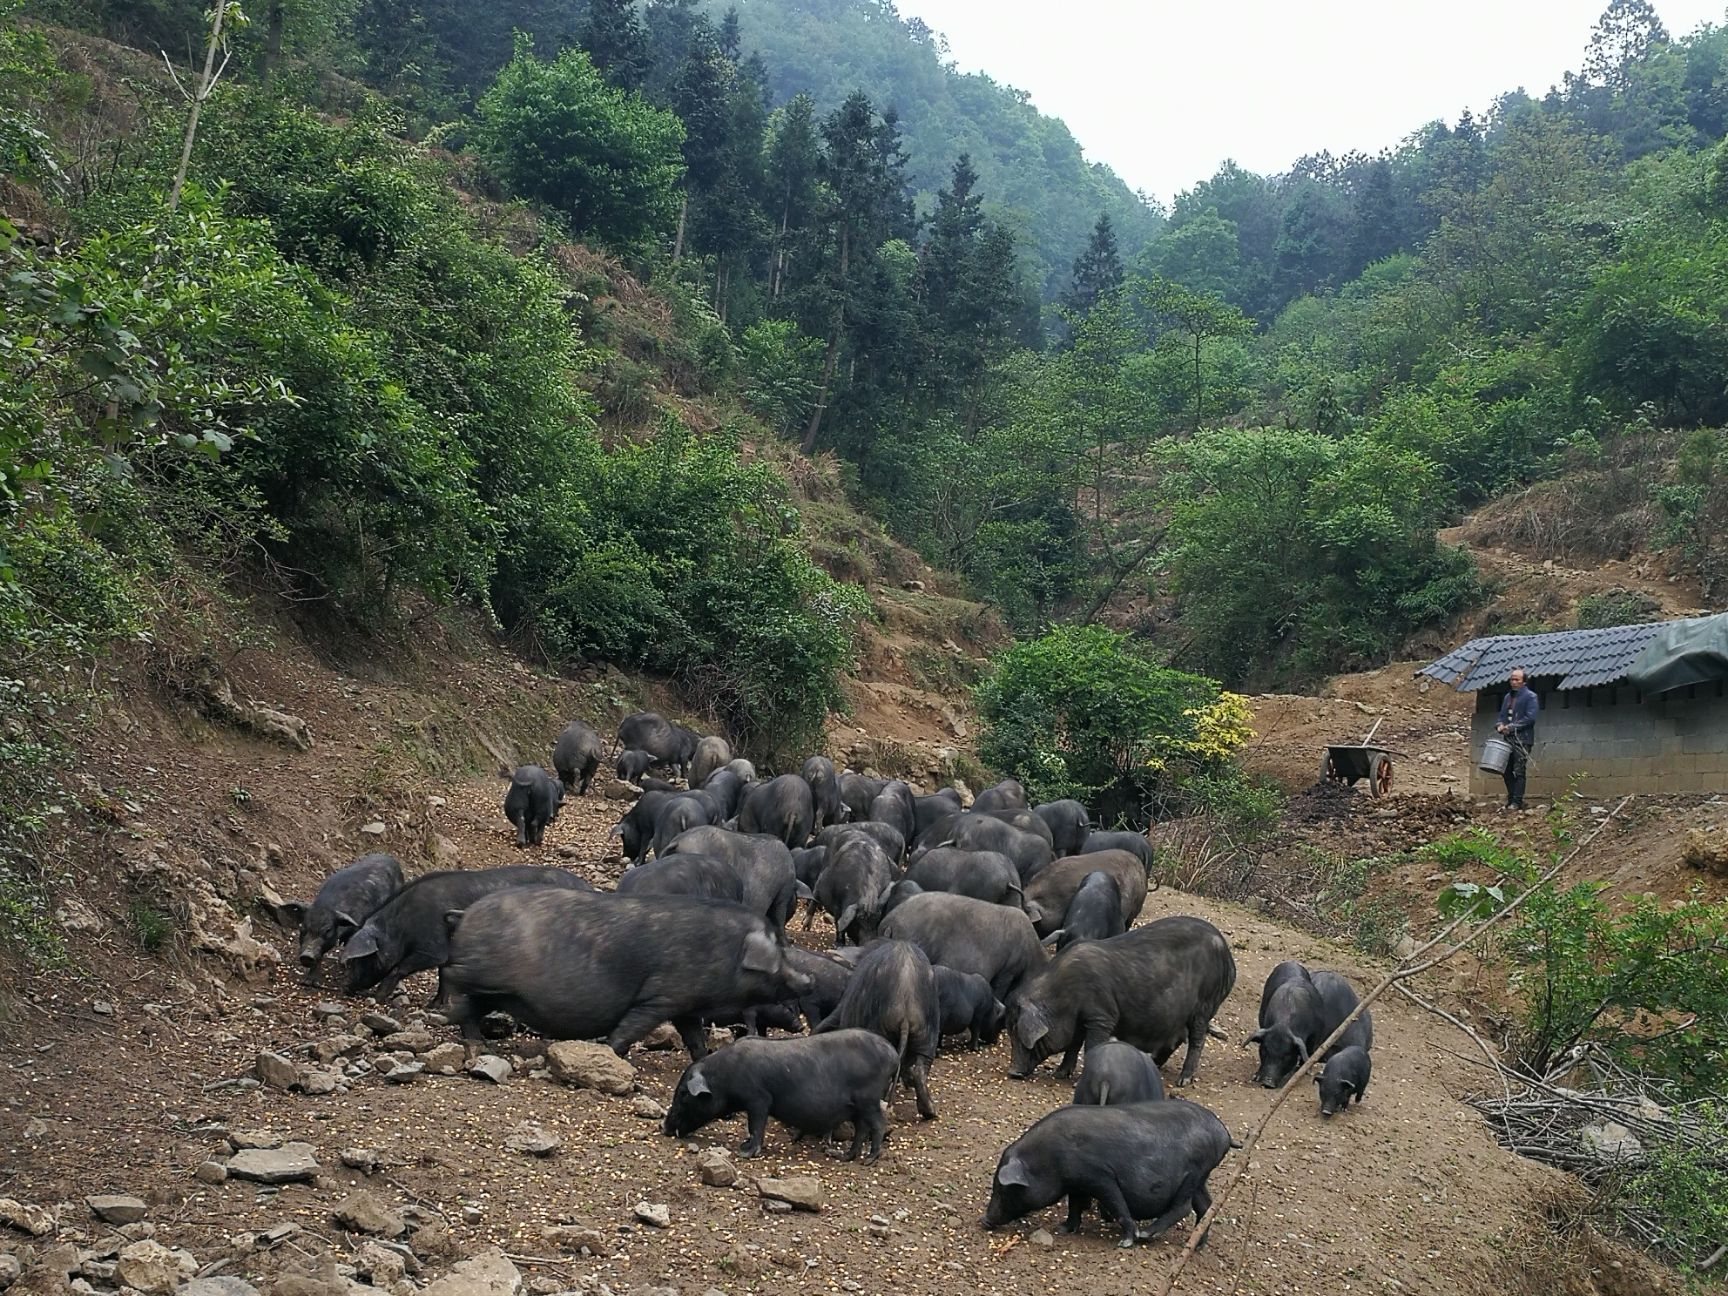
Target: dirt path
{"points": [[1406, 1193]]}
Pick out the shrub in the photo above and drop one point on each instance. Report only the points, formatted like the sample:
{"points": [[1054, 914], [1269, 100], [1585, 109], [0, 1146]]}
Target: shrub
{"points": [[558, 134], [781, 368], [1082, 712]]}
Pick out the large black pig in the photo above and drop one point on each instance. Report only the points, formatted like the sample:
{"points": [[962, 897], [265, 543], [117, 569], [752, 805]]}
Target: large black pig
{"points": [[763, 863], [532, 802], [408, 934], [992, 940], [1139, 1161], [812, 1084], [781, 807], [341, 905], [586, 965], [1155, 987], [576, 755], [893, 992], [1117, 1073]]}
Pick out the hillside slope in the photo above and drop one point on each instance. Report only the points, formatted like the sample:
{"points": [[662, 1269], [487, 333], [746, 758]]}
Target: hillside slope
{"points": [[154, 1054]]}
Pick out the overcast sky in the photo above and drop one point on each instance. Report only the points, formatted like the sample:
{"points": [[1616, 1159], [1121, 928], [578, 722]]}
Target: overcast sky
{"points": [[1164, 92]]}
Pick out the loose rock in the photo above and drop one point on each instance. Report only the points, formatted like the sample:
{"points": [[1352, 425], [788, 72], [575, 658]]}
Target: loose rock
{"points": [[646, 1108], [489, 1066], [26, 1218], [379, 1263], [1042, 1238], [446, 1058], [410, 1041], [211, 1172], [344, 1045], [10, 1270], [405, 1072], [291, 1163], [717, 1168], [365, 1160], [363, 1212], [653, 1214], [380, 1023], [240, 1140], [489, 1273], [277, 1071], [590, 1066], [534, 1139], [116, 1210], [152, 1268], [802, 1191], [219, 1286], [574, 1237]]}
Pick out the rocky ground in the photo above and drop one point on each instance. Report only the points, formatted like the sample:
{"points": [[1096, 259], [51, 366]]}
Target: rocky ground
{"points": [[310, 1145]]}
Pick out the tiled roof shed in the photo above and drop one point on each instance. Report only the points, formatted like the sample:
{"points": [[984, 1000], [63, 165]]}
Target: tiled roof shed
{"points": [[1577, 659]]}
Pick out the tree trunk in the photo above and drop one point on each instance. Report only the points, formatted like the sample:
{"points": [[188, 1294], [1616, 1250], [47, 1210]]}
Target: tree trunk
{"points": [[1198, 387], [814, 427], [205, 85], [678, 243], [275, 19]]}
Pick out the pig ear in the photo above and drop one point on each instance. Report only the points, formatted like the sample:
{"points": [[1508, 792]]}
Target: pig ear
{"points": [[695, 1083], [290, 913], [1035, 912], [846, 918], [1013, 1171], [452, 918], [1301, 1052], [760, 953], [617, 831], [803, 892], [1053, 937], [1032, 1026], [360, 944], [346, 924]]}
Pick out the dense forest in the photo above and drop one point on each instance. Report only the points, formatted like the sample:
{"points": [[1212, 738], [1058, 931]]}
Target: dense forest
{"points": [[289, 330]]}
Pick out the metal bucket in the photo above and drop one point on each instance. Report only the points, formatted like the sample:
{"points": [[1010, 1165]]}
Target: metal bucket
{"points": [[1496, 756]]}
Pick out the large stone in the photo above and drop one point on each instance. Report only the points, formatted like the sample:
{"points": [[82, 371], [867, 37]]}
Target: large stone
{"points": [[344, 1045], [380, 1023], [644, 1107], [365, 1160], [590, 1066], [534, 1139], [410, 1041], [380, 1264], [405, 1072], [25, 1217], [218, 1286], [717, 1168], [10, 1271], [211, 1172], [446, 1059], [320, 1081], [116, 1209], [154, 1269], [802, 1191], [363, 1212], [489, 1066], [488, 1273], [576, 1237], [653, 1214], [291, 1163], [277, 1071], [1611, 1141]]}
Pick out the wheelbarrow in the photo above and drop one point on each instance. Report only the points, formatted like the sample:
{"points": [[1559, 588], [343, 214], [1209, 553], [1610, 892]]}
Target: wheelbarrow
{"points": [[1348, 764]]}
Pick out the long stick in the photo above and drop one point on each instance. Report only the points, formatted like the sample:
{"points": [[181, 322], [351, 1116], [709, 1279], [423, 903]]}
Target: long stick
{"points": [[1409, 968]]}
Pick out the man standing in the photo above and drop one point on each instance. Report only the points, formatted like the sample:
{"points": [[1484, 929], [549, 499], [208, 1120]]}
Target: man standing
{"points": [[1518, 726]]}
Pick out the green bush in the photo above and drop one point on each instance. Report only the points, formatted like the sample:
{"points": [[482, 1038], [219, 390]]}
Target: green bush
{"points": [[558, 134], [1294, 548], [781, 372], [1082, 712]]}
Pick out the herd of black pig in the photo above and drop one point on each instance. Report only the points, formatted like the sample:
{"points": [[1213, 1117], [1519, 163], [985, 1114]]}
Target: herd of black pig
{"points": [[949, 920]]}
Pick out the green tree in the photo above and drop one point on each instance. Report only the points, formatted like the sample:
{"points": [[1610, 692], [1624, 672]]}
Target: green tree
{"points": [[1097, 270], [616, 41], [1197, 318], [557, 133]]}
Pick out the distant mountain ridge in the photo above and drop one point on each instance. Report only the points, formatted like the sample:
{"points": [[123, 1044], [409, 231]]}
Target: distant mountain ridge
{"points": [[1032, 172]]}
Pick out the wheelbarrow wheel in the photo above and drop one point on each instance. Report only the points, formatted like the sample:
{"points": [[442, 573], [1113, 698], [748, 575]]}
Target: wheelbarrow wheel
{"points": [[1380, 775], [1326, 772]]}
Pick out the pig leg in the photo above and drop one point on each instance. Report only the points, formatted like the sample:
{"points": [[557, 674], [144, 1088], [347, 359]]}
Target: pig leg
{"points": [[1202, 1204], [314, 977], [694, 1035], [1113, 1205], [1169, 1217], [756, 1119], [868, 1121], [918, 1076], [1191, 1059], [1077, 1204], [638, 1022], [1069, 1059]]}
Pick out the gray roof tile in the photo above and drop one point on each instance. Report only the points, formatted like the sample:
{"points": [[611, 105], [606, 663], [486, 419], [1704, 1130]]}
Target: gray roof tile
{"points": [[1576, 658]]}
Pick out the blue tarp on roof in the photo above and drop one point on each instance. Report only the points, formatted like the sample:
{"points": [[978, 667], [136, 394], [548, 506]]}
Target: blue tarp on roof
{"points": [[1576, 658]]}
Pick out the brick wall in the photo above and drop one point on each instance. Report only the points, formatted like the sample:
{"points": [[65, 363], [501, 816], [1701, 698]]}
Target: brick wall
{"points": [[1618, 740]]}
